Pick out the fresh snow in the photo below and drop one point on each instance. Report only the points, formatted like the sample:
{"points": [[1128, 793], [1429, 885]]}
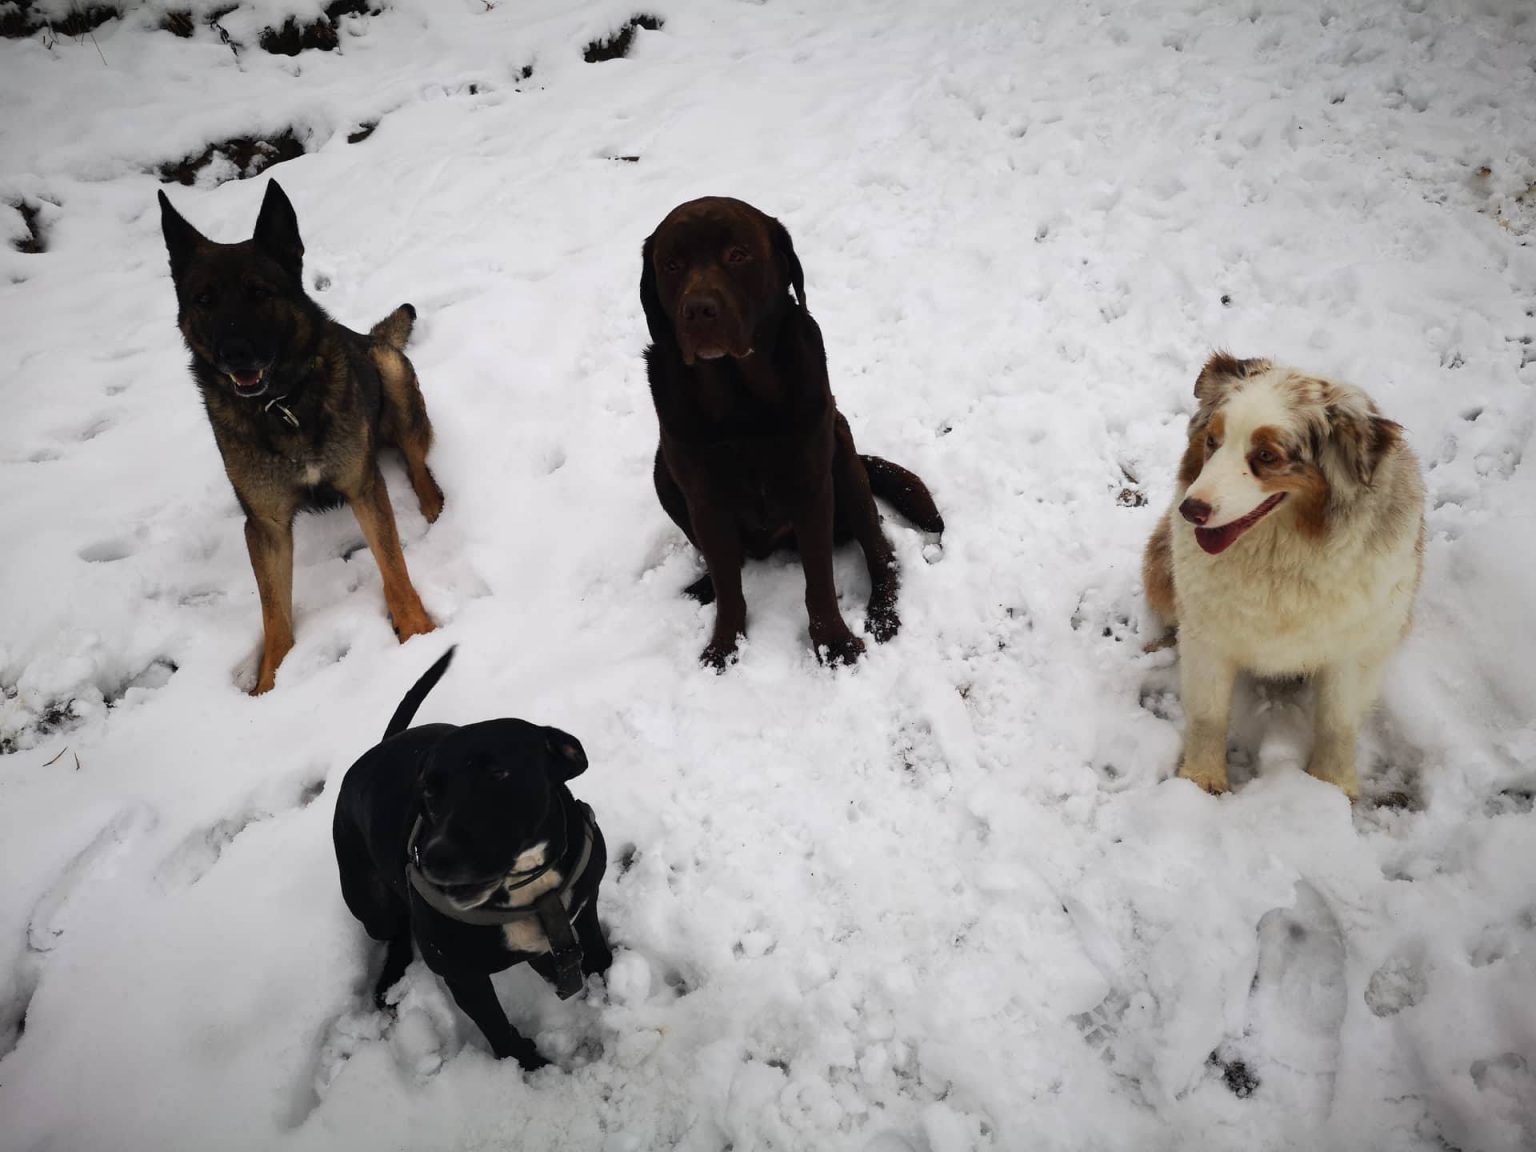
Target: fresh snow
{"points": [[947, 900]]}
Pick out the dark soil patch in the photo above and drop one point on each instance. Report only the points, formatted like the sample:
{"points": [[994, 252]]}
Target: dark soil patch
{"points": [[319, 34], [34, 241], [362, 132], [23, 20], [616, 46], [248, 154]]}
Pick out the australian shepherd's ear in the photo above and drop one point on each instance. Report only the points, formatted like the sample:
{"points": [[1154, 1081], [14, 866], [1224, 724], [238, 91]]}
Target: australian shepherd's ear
{"points": [[1358, 437], [1221, 371]]}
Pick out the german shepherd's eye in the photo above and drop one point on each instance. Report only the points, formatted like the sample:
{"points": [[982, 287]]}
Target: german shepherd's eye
{"points": [[737, 255], [207, 298], [258, 293]]}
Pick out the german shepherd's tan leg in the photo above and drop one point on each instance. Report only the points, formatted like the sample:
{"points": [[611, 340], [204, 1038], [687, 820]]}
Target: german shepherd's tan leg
{"points": [[270, 543], [370, 504], [405, 423]]}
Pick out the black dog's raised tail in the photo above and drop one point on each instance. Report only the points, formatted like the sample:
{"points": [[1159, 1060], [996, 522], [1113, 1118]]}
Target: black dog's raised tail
{"points": [[903, 491], [401, 720], [395, 329]]}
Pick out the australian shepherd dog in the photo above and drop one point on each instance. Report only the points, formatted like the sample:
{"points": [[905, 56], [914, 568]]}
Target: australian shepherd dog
{"points": [[1293, 547]]}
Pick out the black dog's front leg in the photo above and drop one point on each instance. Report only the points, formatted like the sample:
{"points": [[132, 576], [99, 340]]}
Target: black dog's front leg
{"points": [[477, 999], [596, 956]]}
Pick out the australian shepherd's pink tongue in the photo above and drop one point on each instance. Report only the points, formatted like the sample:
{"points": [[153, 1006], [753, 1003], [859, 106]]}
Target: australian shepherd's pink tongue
{"points": [[1218, 540]]}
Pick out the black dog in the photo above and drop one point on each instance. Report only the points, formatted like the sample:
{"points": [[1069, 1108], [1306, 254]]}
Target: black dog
{"points": [[468, 841]]}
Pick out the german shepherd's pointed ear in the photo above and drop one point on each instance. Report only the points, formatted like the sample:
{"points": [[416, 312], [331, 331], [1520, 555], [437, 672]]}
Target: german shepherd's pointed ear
{"points": [[277, 231], [1359, 435], [650, 298], [181, 239], [784, 249], [566, 755]]}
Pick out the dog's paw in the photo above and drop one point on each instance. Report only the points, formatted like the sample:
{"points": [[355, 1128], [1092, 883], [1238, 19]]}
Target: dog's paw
{"points": [[882, 622], [844, 649], [702, 590], [1211, 778], [718, 655], [413, 623]]}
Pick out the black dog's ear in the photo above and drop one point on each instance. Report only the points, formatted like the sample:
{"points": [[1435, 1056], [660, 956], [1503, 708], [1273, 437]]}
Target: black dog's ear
{"points": [[566, 753], [181, 239], [650, 298], [277, 231], [784, 249]]}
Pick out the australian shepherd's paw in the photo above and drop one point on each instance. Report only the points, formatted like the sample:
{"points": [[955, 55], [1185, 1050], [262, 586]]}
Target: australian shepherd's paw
{"points": [[1211, 777]]}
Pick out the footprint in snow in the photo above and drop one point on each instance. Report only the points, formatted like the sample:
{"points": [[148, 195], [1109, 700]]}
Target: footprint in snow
{"points": [[1296, 1008]]}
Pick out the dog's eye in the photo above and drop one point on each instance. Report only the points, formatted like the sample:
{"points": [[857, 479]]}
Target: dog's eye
{"points": [[258, 293], [1265, 456], [672, 265], [206, 298], [737, 255], [1211, 444], [500, 773]]}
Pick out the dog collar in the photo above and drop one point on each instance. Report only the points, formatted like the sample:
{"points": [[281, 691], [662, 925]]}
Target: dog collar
{"points": [[282, 410], [553, 910]]}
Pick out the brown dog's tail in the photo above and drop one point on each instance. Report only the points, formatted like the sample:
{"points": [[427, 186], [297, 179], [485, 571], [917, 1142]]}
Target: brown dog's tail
{"points": [[395, 329], [904, 492], [401, 720]]}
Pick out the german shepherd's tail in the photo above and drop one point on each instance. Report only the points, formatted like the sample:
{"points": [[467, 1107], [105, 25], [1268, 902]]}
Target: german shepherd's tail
{"points": [[904, 492], [401, 720], [395, 329]]}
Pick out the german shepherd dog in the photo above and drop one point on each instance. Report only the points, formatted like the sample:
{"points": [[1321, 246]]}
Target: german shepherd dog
{"points": [[300, 407]]}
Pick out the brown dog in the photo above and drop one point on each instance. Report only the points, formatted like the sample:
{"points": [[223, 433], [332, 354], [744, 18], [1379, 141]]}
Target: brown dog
{"points": [[754, 455], [300, 407]]}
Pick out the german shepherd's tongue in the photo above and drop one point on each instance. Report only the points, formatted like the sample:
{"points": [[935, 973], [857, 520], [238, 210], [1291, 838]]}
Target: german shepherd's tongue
{"points": [[1217, 540], [247, 381]]}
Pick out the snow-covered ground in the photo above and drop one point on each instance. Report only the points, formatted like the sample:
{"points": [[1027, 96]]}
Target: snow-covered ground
{"points": [[947, 900]]}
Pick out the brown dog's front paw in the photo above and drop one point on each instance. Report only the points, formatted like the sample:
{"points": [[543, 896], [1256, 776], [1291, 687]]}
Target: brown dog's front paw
{"points": [[719, 654], [432, 504], [882, 622], [266, 680], [844, 649]]}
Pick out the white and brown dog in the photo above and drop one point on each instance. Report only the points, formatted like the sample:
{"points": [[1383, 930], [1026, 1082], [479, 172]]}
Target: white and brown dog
{"points": [[1297, 550]]}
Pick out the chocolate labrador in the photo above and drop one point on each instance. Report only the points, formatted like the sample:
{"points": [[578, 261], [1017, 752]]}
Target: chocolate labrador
{"points": [[754, 455]]}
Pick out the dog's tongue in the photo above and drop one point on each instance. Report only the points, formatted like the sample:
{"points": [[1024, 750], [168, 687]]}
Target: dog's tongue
{"points": [[1217, 540], [245, 381]]}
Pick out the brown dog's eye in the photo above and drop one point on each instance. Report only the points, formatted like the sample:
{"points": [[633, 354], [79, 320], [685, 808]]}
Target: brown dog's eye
{"points": [[1266, 457], [673, 265], [1211, 444], [737, 255]]}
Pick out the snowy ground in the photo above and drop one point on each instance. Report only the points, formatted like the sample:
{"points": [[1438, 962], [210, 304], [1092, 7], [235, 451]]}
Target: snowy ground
{"points": [[947, 900]]}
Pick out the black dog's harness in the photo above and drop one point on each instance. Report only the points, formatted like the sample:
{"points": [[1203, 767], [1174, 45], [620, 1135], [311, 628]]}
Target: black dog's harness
{"points": [[553, 910]]}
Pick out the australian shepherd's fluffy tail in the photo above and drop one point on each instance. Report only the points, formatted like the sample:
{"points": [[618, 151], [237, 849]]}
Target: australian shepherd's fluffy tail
{"points": [[1294, 546]]}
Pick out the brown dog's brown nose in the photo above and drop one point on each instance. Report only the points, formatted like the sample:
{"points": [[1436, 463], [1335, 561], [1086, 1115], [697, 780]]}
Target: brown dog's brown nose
{"points": [[700, 308], [1197, 512]]}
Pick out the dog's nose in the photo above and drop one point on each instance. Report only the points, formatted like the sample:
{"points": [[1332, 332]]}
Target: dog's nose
{"points": [[1197, 512], [700, 308], [237, 352]]}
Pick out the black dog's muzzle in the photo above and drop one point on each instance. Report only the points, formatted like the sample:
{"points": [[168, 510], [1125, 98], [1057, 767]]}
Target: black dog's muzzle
{"points": [[553, 910]]}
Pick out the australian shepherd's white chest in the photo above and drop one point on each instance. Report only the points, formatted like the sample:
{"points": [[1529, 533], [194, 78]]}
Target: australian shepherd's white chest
{"points": [[1294, 546]]}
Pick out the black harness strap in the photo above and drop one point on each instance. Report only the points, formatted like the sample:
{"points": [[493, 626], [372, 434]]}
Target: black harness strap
{"points": [[553, 910]]}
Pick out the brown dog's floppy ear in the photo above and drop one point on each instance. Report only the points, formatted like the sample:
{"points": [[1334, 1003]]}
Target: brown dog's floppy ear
{"points": [[566, 754], [650, 299], [1358, 434], [277, 231], [181, 239], [784, 248]]}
